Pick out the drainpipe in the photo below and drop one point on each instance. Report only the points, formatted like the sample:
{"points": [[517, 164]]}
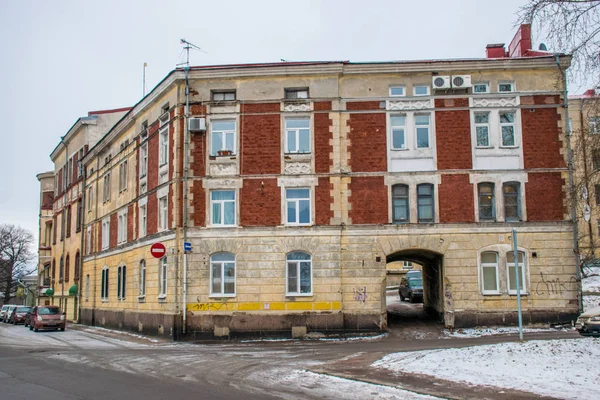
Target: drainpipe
{"points": [[571, 184], [63, 223], [82, 232], [185, 191]]}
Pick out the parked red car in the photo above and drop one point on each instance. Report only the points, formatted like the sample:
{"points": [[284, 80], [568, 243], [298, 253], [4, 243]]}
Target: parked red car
{"points": [[18, 315], [46, 317]]}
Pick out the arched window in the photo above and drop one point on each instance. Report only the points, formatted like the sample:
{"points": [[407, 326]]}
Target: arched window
{"points": [[104, 284], [162, 278], [425, 205], [61, 269], [487, 203], [400, 203], [142, 278], [77, 267], [222, 274], [512, 272], [67, 268], [53, 270], [489, 272], [512, 204], [121, 282], [299, 274]]}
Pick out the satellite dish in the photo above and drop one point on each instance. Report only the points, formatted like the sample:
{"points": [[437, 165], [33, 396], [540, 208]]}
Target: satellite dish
{"points": [[542, 47]]}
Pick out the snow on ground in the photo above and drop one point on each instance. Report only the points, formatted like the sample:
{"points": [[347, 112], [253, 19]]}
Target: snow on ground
{"points": [[490, 331], [318, 337], [592, 283], [331, 387], [564, 368]]}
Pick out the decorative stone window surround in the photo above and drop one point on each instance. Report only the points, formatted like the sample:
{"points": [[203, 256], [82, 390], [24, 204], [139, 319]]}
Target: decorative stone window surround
{"points": [[498, 179], [503, 288], [297, 182], [412, 181], [222, 184]]}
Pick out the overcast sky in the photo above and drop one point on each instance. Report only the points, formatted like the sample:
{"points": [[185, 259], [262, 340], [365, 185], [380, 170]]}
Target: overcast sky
{"points": [[61, 59]]}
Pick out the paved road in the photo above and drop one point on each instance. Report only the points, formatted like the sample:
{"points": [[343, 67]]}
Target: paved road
{"points": [[88, 363]]}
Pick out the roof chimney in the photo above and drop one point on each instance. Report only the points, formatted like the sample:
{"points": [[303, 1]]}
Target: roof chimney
{"points": [[495, 51], [521, 43]]}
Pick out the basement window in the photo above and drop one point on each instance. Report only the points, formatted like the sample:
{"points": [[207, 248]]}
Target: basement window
{"points": [[223, 95], [506, 87], [296, 93]]}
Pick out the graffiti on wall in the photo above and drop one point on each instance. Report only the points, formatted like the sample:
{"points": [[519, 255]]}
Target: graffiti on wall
{"points": [[547, 286], [360, 294]]}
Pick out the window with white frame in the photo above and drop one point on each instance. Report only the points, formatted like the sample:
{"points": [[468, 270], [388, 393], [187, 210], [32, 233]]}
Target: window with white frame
{"points": [[397, 91], [222, 207], [144, 160], [104, 284], [297, 135], [106, 188], [87, 287], [122, 227], [487, 202], [482, 128], [299, 274], [222, 274], [296, 93], [88, 240], [142, 278], [512, 272], [222, 137], [512, 201], [123, 176], [143, 219], [506, 87], [90, 195], [163, 146], [223, 95], [105, 233], [163, 213], [164, 116], [425, 203], [398, 130], [481, 87], [298, 206], [162, 277], [400, 204], [421, 90], [422, 130], [507, 128], [121, 282], [594, 125], [489, 272]]}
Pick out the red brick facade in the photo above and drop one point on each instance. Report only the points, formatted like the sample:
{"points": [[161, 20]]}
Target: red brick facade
{"points": [[368, 200], [323, 138], [455, 195], [152, 177], [453, 135], [131, 234], [260, 142], [152, 214], [323, 201], [540, 132], [368, 146], [114, 230], [544, 202], [260, 202]]}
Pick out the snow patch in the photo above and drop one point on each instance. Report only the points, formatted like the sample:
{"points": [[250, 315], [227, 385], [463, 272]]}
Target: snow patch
{"points": [[490, 331]]}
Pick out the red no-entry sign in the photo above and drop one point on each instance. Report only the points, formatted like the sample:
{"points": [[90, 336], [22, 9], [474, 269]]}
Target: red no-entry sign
{"points": [[158, 250]]}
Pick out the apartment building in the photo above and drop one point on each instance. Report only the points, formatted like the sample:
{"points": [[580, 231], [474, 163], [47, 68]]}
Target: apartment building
{"points": [[61, 222], [295, 183]]}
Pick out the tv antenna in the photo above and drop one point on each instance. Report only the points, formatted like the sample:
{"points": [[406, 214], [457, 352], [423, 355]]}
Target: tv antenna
{"points": [[187, 47]]}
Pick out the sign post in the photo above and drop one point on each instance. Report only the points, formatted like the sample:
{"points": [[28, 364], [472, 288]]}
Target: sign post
{"points": [[517, 279], [158, 250]]}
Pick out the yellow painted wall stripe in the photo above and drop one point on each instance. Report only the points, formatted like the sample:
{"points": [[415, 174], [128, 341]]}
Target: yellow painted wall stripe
{"points": [[265, 306]]}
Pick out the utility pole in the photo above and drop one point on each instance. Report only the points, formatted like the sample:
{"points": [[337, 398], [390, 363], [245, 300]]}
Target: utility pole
{"points": [[517, 281]]}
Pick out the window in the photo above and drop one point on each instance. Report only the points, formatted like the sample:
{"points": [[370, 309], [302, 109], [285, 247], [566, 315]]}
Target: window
{"points": [[299, 274], [144, 129], [507, 126], [487, 208], [482, 128], [69, 217], [400, 203], [142, 278], [164, 115], [489, 272], [422, 129], [104, 284], [79, 165], [594, 125], [512, 203], [162, 213], [123, 176], [90, 194], [597, 193], [162, 277], [222, 138], [596, 159], [512, 273], [87, 287], [77, 267], [62, 225], [61, 269], [69, 171], [105, 233], [398, 132], [299, 93], [421, 90], [397, 91], [223, 95], [425, 202], [121, 282], [79, 215], [67, 268], [506, 87], [143, 220], [106, 188], [122, 227], [223, 207], [144, 160], [222, 274], [163, 147], [298, 206], [481, 88], [297, 135], [88, 240]]}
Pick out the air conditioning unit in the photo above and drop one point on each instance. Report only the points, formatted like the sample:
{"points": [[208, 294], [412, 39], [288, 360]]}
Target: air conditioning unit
{"points": [[440, 82], [197, 124], [461, 81]]}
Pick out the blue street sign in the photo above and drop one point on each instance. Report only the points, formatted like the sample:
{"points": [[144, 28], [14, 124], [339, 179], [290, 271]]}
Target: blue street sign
{"points": [[187, 246]]}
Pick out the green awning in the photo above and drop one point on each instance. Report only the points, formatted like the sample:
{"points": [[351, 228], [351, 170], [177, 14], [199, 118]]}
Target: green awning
{"points": [[73, 290], [49, 292]]}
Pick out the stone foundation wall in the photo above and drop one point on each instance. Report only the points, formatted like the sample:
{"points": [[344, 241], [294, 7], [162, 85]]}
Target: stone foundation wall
{"points": [[164, 325]]}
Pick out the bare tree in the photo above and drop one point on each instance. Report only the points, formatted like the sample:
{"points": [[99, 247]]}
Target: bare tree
{"points": [[569, 26], [15, 257]]}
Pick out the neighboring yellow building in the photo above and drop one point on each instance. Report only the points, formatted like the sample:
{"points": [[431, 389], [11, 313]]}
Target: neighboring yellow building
{"points": [[46, 215]]}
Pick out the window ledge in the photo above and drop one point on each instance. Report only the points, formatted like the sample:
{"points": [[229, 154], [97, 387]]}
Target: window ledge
{"points": [[299, 294], [142, 299], [221, 296], [104, 300], [222, 226], [508, 147], [492, 294], [299, 225], [515, 293], [485, 147], [404, 149], [162, 298]]}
